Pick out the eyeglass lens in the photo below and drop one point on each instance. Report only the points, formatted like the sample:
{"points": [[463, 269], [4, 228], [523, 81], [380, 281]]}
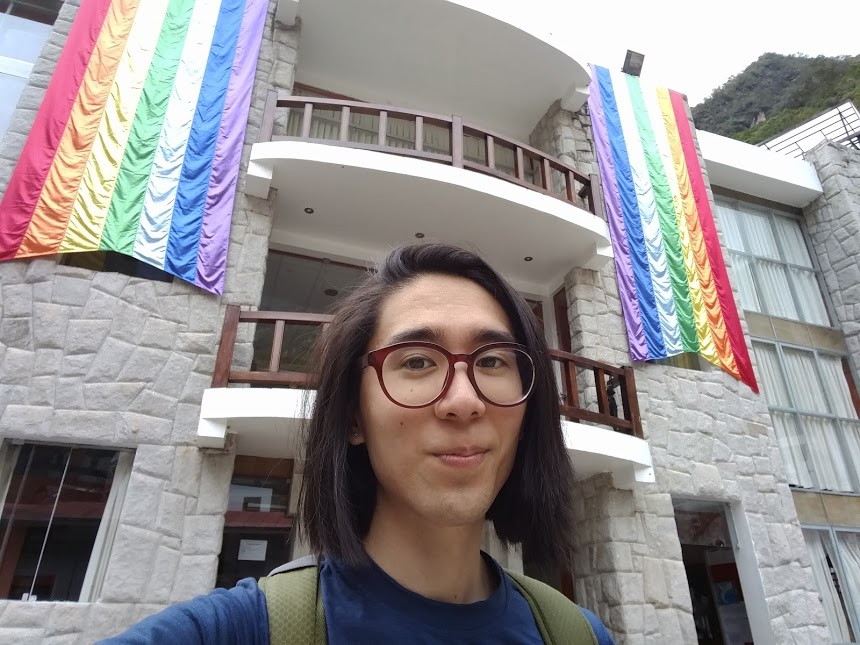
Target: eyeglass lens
{"points": [[415, 376]]}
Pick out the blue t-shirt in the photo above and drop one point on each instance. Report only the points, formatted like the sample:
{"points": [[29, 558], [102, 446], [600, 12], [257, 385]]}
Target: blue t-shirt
{"points": [[361, 606]]}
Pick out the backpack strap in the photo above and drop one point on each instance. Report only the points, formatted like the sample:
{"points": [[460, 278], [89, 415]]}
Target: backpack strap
{"points": [[558, 619], [294, 603]]}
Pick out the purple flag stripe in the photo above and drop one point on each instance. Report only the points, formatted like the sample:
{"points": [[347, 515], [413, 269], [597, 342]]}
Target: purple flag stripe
{"points": [[614, 215], [215, 232]]}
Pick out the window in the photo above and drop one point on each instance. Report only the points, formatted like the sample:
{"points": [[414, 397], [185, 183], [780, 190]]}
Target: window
{"points": [[60, 511], [258, 523], [24, 30], [301, 284], [814, 416], [115, 263], [835, 556], [772, 265]]}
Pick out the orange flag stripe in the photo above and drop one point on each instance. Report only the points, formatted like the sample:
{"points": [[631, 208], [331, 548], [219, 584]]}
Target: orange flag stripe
{"points": [[54, 207]]}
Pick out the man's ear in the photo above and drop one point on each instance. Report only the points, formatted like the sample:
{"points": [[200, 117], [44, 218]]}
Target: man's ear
{"points": [[356, 434]]}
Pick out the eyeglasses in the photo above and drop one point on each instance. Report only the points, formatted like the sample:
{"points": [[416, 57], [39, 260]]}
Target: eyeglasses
{"points": [[418, 374]]}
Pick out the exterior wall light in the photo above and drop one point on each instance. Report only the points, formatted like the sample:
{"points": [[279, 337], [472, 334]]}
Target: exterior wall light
{"points": [[633, 62]]}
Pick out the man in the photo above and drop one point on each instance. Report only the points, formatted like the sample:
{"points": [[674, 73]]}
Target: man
{"points": [[436, 410]]}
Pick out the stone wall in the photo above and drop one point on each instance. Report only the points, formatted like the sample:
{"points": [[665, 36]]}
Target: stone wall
{"points": [[833, 223], [711, 438], [105, 359]]}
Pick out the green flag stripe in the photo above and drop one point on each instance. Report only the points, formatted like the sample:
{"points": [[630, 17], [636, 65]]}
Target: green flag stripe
{"points": [[666, 215], [123, 219]]}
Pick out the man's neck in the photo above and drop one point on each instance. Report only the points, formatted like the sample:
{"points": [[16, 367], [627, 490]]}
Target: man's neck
{"points": [[440, 563]]}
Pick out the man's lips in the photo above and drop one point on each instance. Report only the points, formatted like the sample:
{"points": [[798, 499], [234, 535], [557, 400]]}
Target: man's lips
{"points": [[461, 457]]}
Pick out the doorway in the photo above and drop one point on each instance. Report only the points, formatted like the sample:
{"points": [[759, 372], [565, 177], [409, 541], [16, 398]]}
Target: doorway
{"points": [[708, 551]]}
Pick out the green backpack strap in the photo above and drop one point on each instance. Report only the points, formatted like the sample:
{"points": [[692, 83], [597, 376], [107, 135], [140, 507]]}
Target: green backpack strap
{"points": [[559, 620], [294, 604]]}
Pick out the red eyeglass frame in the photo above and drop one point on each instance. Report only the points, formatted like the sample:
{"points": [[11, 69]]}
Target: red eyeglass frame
{"points": [[377, 357]]}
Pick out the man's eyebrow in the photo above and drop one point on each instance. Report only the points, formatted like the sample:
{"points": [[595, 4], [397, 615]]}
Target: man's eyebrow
{"points": [[434, 335]]}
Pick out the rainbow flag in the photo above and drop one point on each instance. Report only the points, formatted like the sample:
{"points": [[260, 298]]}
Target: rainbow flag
{"points": [[136, 146], [672, 279]]}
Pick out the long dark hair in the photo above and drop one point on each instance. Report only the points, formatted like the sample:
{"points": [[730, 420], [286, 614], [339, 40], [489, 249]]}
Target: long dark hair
{"points": [[533, 507]]}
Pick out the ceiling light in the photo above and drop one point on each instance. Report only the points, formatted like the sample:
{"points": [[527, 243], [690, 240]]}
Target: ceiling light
{"points": [[419, 235], [309, 210], [528, 258], [330, 292]]}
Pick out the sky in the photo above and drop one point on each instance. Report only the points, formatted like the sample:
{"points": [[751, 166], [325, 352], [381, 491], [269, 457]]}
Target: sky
{"points": [[694, 46]]}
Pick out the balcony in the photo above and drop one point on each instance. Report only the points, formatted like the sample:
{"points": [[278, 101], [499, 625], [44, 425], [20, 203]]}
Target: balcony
{"points": [[599, 406], [483, 59], [354, 179]]}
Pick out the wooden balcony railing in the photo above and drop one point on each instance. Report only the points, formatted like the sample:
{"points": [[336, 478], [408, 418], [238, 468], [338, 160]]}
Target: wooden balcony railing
{"points": [[457, 143], [575, 406]]}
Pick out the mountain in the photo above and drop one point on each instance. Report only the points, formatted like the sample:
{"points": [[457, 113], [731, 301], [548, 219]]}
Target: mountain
{"points": [[776, 93]]}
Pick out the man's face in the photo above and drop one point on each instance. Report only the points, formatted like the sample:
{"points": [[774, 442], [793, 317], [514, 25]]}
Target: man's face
{"points": [[444, 463]]}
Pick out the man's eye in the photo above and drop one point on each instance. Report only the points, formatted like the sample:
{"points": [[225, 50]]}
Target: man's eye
{"points": [[491, 362], [417, 363]]}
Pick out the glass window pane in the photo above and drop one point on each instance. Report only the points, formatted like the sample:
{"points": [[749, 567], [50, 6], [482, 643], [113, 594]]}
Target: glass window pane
{"points": [[825, 451], [848, 544], [760, 235], [791, 443], [792, 242], [728, 216], [809, 297], [742, 273], [806, 389], [830, 587], [770, 371], [833, 379], [851, 438], [775, 290], [49, 523], [23, 39]]}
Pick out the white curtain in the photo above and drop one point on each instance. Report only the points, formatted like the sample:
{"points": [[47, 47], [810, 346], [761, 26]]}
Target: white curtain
{"points": [[792, 242], [802, 376], [775, 289], [767, 360], [849, 550], [760, 235], [742, 273], [730, 227], [834, 611], [833, 378], [825, 452], [809, 297]]}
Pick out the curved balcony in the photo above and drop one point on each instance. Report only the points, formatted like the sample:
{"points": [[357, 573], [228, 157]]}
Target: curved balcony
{"points": [[354, 179], [267, 418], [483, 59]]}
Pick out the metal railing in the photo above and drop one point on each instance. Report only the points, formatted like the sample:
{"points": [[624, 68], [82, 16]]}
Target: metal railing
{"points": [[529, 167], [607, 379]]}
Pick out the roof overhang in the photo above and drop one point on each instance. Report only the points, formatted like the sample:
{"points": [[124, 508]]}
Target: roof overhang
{"points": [[758, 172], [492, 62]]}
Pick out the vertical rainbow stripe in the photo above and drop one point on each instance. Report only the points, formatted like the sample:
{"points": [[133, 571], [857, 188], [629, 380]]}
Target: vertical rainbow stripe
{"points": [[672, 279], [137, 144]]}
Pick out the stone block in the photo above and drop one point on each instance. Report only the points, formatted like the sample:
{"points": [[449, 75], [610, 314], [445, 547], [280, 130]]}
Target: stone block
{"points": [[194, 386], [215, 474], [85, 336], [159, 333], [110, 283], [17, 300], [70, 290], [76, 364], [128, 323], [197, 343], [62, 639], [25, 420], [142, 499], [171, 514], [42, 390], [88, 426], [25, 614], [47, 362], [22, 635], [100, 306], [202, 534], [163, 575], [654, 582], [107, 619], [131, 562], [185, 478], [40, 270], [68, 618], [612, 557], [69, 394], [156, 405], [171, 380], [140, 428], [174, 308], [144, 364], [18, 366], [49, 325], [110, 396], [109, 361], [623, 589], [195, 575], [154, 460], [185, 424]]}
